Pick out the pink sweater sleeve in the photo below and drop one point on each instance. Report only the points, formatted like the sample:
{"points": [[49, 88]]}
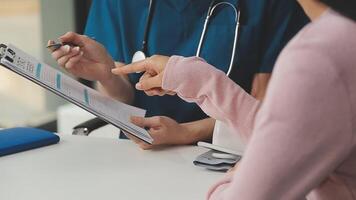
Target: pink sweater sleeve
{"points": [[196, 81], [301, 132]]}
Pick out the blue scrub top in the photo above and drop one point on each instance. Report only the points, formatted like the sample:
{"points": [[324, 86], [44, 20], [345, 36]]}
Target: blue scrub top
{"points": [[266, 27]]}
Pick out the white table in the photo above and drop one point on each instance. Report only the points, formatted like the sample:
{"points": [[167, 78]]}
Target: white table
{"points": [[84, 168]]}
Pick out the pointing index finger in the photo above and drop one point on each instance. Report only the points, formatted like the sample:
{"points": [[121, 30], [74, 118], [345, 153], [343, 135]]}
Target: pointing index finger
{"points": [[131, 68]]}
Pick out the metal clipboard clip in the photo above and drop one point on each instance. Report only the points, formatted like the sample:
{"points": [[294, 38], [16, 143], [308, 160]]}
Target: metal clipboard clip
{"points": [[85, 128]]}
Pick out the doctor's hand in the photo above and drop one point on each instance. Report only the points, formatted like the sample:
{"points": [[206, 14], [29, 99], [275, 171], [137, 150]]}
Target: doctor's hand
{"points": [[164, 131], [151, 81], [86, 59]]}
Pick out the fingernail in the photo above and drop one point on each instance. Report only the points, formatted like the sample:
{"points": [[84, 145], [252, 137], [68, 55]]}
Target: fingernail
{"points": [[76, 49], [115, 71], [139, 86], [66, 48]]}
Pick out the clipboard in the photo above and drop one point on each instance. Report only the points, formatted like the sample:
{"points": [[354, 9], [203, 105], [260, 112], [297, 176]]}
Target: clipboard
{"points": [[21, 63]]}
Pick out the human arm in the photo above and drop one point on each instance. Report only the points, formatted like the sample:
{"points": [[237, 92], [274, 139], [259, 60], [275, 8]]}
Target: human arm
{"points": [[303, 133], [201, 130]]}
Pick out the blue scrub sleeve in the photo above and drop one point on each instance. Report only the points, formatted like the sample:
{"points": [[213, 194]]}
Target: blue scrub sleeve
{"points": [[281, 27], [102, 24]]}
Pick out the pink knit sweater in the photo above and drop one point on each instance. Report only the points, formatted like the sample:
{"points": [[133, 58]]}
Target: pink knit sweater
{"points": [[301, 144]]}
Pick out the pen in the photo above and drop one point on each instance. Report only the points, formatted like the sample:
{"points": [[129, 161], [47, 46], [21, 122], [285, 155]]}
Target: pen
{"points": [[56, 46]]}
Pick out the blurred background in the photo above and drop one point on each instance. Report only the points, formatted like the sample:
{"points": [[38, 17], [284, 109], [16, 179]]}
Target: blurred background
{"points": [[29, 24]]}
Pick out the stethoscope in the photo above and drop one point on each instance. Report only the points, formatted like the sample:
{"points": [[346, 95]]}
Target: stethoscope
{"points": [[141, 54]]}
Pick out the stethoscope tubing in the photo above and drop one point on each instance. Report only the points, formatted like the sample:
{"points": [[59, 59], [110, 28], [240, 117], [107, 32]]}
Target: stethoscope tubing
{"points": [[211, 10], [141, 55], [148, 25]]}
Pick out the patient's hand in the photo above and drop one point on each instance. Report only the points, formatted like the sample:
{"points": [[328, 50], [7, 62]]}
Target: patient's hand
{"points": [[151, 81]]}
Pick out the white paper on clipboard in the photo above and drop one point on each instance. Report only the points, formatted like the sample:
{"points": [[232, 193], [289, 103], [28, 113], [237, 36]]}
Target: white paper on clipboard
{"points": [[108, 109]]}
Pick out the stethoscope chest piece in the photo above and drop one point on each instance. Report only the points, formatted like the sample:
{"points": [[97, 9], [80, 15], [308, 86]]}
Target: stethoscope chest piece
{"points": [[138, 56]]}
